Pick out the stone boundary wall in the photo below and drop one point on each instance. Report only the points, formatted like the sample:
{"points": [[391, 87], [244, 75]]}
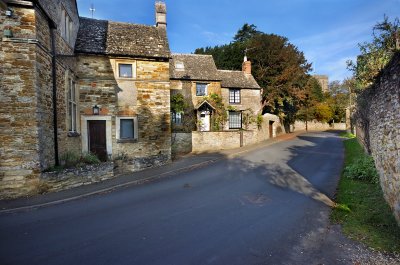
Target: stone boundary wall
{"points": [[183, 143], [317, 126], [382, 136], [74, 177]]}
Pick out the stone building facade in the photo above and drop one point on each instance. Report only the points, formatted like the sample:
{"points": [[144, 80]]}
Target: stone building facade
{"points": [[323, 81], [196, 77], [71, 84]]}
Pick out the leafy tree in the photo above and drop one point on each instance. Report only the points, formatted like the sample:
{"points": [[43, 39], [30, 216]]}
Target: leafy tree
{"points": [[323, 112], [281, 69], [376, 54], [246, 33]]}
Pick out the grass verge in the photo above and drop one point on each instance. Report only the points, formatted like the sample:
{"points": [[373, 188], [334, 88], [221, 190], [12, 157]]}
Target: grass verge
{"points": [[369, 218]]}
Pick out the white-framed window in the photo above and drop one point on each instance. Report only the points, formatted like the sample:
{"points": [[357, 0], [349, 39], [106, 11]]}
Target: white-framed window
{"points": [[72, 105], [127, 128], [201, 89], [177, 118], [234, 96], [126, 69], [235, 120]]}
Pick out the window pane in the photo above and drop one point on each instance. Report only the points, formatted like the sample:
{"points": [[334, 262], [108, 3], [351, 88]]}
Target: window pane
{"points": [[201, 89], [70, 115], [74, 117], [125, 70], [235, 120], [126, 128], [234, 96]]}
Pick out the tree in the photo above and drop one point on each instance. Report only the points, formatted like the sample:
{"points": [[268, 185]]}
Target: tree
{"points": [[281, 69], [246, 33], [376, 54]]}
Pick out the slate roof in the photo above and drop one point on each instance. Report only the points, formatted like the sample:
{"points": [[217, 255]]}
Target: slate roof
{"points": [[122, 39], [195, 67], [237, 79]]}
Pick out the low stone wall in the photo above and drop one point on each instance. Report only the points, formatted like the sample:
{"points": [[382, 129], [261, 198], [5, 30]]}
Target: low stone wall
{"points": [[128, 165], [74, 177], [183, 143], [317, 126], [378, 129]]}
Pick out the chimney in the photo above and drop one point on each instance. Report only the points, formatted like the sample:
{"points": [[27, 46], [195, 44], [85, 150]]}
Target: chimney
{"points": [[246, 66], [161, 15]]}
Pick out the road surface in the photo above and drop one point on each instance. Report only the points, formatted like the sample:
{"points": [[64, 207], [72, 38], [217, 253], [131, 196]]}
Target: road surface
{"points": [[267, 206]]}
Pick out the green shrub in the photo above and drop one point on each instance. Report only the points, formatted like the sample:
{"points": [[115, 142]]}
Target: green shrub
{"points": [[69, 159], [362, 168], [90, 158]]}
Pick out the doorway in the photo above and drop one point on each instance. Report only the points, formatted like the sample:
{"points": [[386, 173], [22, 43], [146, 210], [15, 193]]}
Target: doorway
{"points": [[97, 138], [205, 121], [271, 129]]}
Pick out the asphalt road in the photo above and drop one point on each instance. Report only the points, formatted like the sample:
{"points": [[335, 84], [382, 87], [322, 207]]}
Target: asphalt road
{"points": [[266, 206]]}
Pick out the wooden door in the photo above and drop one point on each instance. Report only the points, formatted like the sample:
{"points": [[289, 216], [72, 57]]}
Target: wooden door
{"points": [[97, 139]]}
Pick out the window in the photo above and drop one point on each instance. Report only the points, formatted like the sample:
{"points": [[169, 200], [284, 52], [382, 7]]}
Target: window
{"points": [[66, 26], [179, 66], [126, 128], [125, 70], [72, 109], [234, 96], [177, 118], [235, 120], [201, 89]]}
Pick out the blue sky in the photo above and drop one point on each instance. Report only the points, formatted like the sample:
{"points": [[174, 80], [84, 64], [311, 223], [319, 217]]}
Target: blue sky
{"points": [[327, 31]]}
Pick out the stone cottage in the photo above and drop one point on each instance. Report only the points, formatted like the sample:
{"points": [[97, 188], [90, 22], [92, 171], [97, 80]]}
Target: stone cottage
{"points": [[196, 77], [74, 85]]}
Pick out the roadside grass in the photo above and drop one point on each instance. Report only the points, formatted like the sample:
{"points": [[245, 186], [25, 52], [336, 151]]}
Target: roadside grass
{"points": [[362, 211], [346, 135]]}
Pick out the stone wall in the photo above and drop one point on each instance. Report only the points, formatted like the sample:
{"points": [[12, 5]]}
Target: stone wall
{"points": [[183, 143], [145, 96], [26, 106], [19, 160], [74, 177], [317, 126], [383, 117]]}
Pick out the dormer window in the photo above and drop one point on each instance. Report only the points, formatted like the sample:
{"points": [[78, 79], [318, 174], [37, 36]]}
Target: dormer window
{"points": [[179, 66]]}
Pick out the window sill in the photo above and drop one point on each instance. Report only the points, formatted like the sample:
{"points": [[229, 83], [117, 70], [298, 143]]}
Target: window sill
{"points": [[73, 134], [122, 141]]}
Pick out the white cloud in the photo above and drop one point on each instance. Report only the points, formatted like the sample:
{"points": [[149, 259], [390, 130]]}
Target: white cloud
{"points": [[329, 51]]}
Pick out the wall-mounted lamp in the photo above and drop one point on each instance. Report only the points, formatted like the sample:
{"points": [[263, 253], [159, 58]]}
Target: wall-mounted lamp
{"points": [[9, 13], [96, 110]]}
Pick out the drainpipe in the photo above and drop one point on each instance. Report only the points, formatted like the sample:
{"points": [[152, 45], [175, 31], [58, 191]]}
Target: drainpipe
{"points": [[54, 80]]}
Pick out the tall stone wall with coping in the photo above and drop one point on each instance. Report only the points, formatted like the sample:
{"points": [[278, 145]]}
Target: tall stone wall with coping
{"points": [[383, 133]]}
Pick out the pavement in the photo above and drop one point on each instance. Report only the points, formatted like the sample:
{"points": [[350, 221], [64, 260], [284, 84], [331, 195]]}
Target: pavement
{"points": [[179, 165]]}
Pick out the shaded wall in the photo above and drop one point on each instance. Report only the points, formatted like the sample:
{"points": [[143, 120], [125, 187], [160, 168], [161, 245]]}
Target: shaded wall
{"points": [[379, 129]]}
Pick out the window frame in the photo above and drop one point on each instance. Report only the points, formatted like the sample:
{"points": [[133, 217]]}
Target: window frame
{"points": [[72, 106], [133, 69], [233, 94], [118, 129], [205, 89], [66, 25], [230, 123]]}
